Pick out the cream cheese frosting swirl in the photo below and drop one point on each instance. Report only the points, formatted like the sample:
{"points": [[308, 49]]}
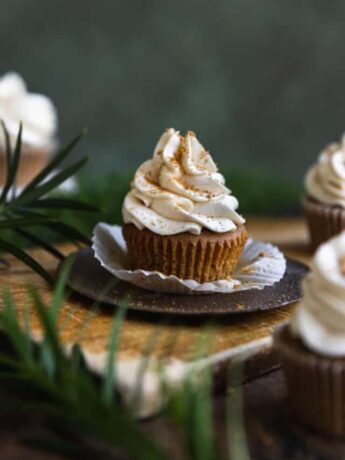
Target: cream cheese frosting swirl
{"points": [[35, 111], [325, 181], [320, 321], [180, 190]]}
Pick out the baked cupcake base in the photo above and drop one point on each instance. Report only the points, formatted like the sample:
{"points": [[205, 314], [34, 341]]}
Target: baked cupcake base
{"points": [[324, 221], [316, 384], [206, 257]]}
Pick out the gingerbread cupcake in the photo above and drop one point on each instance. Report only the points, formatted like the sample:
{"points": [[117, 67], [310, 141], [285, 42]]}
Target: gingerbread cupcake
{"points": [[312, 346], [180, 218], [38, 117], [324, 205]]}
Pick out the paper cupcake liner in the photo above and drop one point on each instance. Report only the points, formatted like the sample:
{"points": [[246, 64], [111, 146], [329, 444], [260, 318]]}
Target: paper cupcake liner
{"points": [[260, 265], [207, 258], [324, 221], [316, 384], [31, 163]]}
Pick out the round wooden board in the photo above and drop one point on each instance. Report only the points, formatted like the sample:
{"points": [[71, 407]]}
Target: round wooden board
{"points": [[89, 278]]}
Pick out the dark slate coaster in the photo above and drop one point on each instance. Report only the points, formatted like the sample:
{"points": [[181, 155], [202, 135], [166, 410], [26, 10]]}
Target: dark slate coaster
{"points": [[89, 278]]}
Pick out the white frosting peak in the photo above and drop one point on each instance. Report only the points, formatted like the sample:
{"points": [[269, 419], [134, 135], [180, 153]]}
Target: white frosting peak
{"points": [[325, 181], [35, 111], [320, 321], [179, 190]]}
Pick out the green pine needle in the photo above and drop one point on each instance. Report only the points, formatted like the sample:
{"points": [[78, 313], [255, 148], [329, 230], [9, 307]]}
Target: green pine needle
{"points": [[17, 213], [62, 203], [110, 372], [12, 166], [8, 157], [54, 163], [37, 241], [41, 378], [62, 388], [26, 259], [29, 196]]}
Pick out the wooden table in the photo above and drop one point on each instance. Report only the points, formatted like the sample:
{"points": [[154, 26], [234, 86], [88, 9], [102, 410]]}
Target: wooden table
{"points": [[270, 431]]}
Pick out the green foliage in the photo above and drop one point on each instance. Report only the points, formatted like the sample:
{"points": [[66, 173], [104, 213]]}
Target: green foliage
{"points": [[191, 409], [262, 194], [87, 416], [237, 442], [19, 218], [61, 387]]}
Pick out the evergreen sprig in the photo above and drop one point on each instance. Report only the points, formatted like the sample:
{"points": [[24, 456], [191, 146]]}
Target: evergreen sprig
{"points": [[41, 378], [87, 416], [61, 387], [85, 412], [21, 213]]}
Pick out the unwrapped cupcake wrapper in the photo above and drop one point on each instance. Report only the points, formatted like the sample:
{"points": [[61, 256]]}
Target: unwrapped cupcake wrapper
{"points": [[260, 265], [316, 385], [190, 257], [324, 221]]}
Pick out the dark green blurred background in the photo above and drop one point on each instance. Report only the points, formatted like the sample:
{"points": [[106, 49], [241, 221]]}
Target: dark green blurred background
{"points": [[261, 83]]}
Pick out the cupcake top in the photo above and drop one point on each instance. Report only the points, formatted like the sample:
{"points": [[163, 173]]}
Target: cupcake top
{"points": [[35, 111], [325, 181], [180, 190], [320, 321]]}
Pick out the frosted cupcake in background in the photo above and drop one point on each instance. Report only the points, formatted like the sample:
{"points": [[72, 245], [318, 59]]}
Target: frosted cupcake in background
{"points": [[312, 345], [324, 205], [39, 119]]}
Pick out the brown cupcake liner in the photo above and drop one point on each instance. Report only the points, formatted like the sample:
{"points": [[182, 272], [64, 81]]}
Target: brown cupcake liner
{"points": [[206, 257], [324, 221], [316, 384], [32, 161]]}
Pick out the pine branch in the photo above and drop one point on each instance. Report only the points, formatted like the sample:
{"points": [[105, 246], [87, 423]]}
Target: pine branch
{"points": [[54, 163], [17, 214], [26, 259], [108, 383], [63, 388], [62, 203], [8, 157], [29, 196], [12, 164], [41, 243], [69, 232]]}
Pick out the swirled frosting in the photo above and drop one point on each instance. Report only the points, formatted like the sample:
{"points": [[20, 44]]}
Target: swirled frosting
{"points": [[35, 111], [325, 181], [320, 321], [180, 190]]}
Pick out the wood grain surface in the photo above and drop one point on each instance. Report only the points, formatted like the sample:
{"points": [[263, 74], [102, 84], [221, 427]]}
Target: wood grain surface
{"points": [[271, 430]]}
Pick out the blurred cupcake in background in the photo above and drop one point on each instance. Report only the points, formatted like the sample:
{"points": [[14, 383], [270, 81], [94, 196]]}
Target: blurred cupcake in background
{"points": [[312, 345], [324, 204], [39, 119]]}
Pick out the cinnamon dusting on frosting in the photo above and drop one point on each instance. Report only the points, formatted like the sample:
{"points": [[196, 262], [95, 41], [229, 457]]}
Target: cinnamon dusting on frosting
{"points": [[181, 186]]}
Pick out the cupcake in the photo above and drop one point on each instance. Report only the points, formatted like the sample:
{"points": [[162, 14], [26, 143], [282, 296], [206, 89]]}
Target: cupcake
{"points": [[179, 217], [312, 345], [38, 117], [324, 204]]}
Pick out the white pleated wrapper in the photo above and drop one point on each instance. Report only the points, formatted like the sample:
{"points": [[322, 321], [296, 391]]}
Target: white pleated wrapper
{"points": [[260, 265]]}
